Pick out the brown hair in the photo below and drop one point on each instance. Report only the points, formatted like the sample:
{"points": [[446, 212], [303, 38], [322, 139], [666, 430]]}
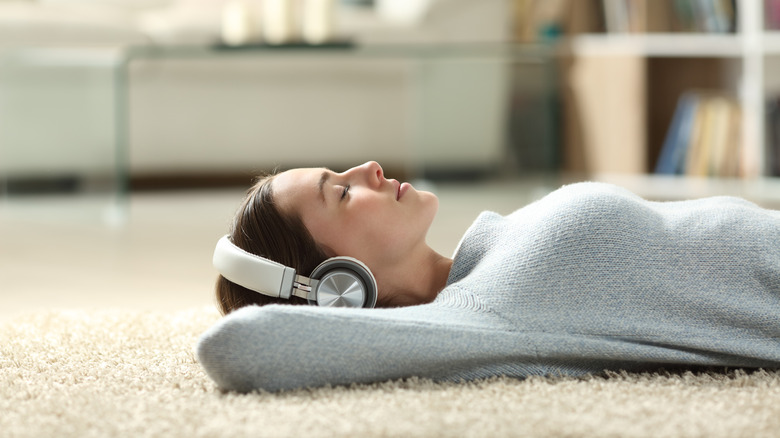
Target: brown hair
{"points": [[262, 229]]}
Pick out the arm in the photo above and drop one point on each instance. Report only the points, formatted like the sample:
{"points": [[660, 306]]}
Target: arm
{"points": [[285, 347]]}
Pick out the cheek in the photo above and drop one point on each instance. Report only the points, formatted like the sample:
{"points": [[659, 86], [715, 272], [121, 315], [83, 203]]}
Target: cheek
{"points": [[346, 235], [365, 230], [324, 231], [395, 229], [369, 224]]}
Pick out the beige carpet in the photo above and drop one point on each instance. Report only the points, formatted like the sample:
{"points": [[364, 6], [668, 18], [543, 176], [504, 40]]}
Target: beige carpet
{"points": [[133, 374]]}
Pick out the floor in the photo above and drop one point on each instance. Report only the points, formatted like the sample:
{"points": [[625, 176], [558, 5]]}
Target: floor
{"points": [[154, 250]]}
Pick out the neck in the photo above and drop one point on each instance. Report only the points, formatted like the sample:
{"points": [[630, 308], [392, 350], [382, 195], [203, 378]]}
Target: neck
{"points": [[417, 280]]}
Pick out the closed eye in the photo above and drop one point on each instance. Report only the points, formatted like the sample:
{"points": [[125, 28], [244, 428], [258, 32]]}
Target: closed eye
{"points": [[346, 190]]}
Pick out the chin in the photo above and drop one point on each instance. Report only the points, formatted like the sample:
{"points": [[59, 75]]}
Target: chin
{"points": [[432, 199], [428, 196], [430, 204]]}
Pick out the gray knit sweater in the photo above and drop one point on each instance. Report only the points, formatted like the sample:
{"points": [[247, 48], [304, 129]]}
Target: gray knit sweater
{"points": [[587, 279]]}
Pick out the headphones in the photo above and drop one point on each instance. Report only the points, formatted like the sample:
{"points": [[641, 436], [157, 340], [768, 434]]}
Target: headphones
{"points": [[336, 282]]}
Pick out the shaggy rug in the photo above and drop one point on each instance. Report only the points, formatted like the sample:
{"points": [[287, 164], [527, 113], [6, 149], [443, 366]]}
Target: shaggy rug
{"points": [[133, 374]]}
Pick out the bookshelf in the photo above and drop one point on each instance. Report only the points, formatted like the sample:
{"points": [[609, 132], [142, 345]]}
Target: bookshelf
{"points": [[611, 128]]}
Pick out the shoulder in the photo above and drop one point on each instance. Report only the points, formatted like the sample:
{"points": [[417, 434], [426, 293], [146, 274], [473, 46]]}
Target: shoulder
{"points": [[588, 192]]}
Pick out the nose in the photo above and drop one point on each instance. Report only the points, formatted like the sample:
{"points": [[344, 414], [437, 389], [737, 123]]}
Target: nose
{"points": [[374, 171], [371, 171]]}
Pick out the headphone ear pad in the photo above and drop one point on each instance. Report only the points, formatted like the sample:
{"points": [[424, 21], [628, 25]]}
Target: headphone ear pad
{"points": [[343, 282]]}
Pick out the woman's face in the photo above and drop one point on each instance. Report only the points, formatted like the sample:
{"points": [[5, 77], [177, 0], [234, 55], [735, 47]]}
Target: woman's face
{"points": [[357, 213]]}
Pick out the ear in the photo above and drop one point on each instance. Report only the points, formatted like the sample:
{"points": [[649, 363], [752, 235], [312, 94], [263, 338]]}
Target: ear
{"points": [[328, 251]]}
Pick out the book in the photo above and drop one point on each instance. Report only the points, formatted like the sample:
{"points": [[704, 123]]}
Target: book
{"points": [[735, 146], [617, 16], [719, 109], [697, 150], [772, 14], [704, 137], [675, 147], [773, 136], [707, 16]]}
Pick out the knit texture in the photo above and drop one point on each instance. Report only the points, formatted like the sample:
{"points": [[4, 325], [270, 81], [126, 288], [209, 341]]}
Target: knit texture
{"points": [[590, 278]]}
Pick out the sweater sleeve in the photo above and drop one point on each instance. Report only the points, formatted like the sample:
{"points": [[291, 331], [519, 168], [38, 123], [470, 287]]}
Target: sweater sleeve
{"points": [[285, 347]]}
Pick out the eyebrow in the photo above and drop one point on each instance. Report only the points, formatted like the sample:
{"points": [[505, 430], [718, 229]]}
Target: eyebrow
{"points": [[321, 183]]}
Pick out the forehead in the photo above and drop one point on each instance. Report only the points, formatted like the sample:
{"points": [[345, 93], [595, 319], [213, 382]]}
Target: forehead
{"points": [[296, 187]]}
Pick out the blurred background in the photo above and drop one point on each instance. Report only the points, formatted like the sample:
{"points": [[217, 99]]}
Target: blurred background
{"points": [[129, 129]]}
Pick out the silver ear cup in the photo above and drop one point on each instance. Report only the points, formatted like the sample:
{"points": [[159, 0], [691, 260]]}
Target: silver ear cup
{"points": [[343, 282], [340, 288]]}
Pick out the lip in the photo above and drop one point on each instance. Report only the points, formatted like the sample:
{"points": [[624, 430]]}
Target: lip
{"points": [[397, 187], [402, 189]]}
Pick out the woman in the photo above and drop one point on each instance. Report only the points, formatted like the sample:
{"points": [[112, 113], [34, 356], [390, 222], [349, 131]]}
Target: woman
{"points": [[587, 279]]}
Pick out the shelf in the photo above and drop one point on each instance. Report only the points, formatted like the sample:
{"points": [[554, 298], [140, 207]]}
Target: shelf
{"points": [[659, 45], [670, 45]]}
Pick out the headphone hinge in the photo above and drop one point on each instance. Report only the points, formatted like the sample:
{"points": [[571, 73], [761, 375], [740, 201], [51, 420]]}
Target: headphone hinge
{"points": [[302, 286]]}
